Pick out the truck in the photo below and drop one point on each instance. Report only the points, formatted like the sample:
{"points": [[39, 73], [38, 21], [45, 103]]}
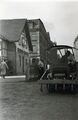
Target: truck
{"points": [[63, 73]]}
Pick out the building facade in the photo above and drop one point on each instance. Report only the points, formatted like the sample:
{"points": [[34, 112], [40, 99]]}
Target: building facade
{"points": [[15, 44], [40, 41]]}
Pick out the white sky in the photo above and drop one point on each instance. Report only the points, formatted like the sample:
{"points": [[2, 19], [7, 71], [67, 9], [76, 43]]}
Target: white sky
{"points": [[60, 18]]}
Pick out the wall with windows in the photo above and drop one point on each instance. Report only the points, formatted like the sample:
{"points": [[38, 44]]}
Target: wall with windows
{"points": [[34, 34], [39, 38], [23, 43], [35, 43], [22, 55], [3, 49], [18, 59], [8, 52], [17, 54], [22, 61], [41, 41]]}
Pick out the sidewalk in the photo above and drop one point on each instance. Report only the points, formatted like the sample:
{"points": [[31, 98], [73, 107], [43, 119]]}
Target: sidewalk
{"points": [[13, 79]]}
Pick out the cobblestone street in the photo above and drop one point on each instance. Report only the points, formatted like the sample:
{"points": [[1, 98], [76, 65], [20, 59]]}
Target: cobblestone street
{"points": [[24, 101]]}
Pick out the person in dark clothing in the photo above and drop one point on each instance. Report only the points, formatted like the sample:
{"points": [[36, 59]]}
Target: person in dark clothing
{"points": [[41, 68], [71, 62]]}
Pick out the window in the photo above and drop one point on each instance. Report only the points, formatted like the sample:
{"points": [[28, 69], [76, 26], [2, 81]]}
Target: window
{"points": [[34, 48], [3, 48], [33, 60], [22, 41], [30, 25], [34, 36], [4, 52], [4, 45]]}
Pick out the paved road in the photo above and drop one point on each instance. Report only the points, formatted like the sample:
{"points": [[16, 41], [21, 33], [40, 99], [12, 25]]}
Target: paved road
{"points": [[24, 101]]}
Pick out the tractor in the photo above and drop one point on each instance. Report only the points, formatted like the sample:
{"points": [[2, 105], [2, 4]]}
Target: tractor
{"points": [[63, 73]]}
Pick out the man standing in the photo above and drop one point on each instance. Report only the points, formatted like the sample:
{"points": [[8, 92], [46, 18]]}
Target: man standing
{"points": [[3, 68], [41, 68]]}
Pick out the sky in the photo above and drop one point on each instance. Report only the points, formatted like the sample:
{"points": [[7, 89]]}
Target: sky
{"points": [[60, 18]]}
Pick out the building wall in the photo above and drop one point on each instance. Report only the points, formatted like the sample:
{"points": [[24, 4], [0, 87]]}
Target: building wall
{"points": [[39, 39], [35, 43], [43, 46], [3, 48], [11, 57], [35, 54], [34, 34], [22, 55], [76, 51], [7, 52], [17, 58], [16, 54], [22, 61]]}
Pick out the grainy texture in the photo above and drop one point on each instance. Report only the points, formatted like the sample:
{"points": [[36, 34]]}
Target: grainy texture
{"points": [[24, 101]]}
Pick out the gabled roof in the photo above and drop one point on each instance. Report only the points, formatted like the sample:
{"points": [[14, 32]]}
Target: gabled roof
{"points": [[11, 30]]}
